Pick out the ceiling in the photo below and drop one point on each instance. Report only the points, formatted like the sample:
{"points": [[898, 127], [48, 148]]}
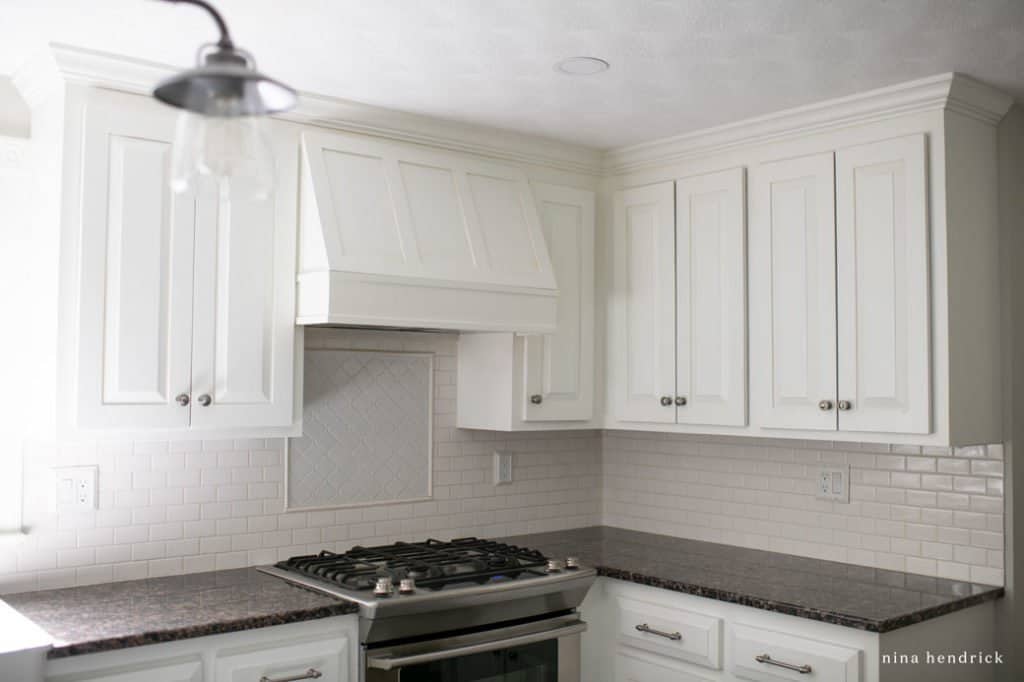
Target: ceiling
{"points": [[677, 66]]}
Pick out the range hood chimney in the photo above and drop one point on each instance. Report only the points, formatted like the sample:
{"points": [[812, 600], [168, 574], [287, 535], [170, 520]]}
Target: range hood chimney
{"points": [[398, 235]]}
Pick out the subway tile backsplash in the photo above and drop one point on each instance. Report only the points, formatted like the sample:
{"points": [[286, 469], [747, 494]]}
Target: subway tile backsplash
{"points": [[933, 510], [184, 506]]}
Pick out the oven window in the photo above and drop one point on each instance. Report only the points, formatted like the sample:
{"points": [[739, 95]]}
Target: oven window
{"points": [[528, 663]]}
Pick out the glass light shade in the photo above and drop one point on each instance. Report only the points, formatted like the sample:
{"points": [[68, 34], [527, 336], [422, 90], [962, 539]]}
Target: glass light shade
{"points": [[232, 156]]}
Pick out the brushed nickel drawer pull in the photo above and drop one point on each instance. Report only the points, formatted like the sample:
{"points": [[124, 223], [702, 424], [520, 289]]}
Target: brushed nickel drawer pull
{"points": [[311, 674], [674, 636], [765, 658]]}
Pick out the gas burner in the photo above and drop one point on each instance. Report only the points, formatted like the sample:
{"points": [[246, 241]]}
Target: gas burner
{"points": [[431, 565]]}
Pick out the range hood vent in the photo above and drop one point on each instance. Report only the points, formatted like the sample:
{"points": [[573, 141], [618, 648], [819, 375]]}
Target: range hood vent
{"points": [[397, 235]]}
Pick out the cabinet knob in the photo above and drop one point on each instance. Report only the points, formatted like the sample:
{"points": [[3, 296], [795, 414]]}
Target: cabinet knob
{"points": [[845, 405], [204, 400], [666, 400], [825, 405], [536, 398], [182, 399], [680, 400]]}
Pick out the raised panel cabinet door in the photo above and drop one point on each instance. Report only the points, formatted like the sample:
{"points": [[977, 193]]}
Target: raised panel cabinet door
{"points": [[711, 316], [643, 296], [793, 293], [135, 295], [883, 291], [559, 368], [243, 355]]}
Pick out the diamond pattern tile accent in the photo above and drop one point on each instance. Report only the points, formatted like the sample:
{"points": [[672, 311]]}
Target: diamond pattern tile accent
{"points": [[366, 429]]}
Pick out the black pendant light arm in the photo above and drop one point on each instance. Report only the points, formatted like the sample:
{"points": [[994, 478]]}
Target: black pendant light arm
{"points": [[225, 41]]}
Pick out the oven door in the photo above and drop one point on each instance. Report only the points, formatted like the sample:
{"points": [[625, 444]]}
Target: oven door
{"points": [[544, 651]]}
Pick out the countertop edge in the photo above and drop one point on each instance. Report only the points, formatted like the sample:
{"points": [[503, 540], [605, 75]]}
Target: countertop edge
{"points": [[342, 608]]}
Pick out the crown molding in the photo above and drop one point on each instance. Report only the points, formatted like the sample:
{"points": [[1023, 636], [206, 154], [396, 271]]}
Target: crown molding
{"points": [[955, 92], [61, 63], [951, 91]]}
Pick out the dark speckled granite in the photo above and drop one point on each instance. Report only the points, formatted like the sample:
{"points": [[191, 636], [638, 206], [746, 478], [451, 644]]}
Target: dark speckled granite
{"points": [[854, 596], [85, 620]]}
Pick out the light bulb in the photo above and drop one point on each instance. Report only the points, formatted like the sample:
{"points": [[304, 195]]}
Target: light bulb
{"points": [[229, 155]]}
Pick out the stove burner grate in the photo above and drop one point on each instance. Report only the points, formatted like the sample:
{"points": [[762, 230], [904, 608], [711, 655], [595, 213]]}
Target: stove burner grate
{"points": [[433, 564]]}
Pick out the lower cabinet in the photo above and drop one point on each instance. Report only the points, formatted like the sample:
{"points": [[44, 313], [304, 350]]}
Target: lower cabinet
{"points": [[324, 650], [646, 634]]}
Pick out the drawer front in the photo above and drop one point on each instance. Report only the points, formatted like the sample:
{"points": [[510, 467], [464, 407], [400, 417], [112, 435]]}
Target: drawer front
{"points": [[629, 669], [156, 671], [771, 656], [326, 656], [675, 633]]}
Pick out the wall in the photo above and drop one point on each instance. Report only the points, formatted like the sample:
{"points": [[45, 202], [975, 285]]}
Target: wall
{"points": [[184, 506], [933, 512], [1010, 611]]}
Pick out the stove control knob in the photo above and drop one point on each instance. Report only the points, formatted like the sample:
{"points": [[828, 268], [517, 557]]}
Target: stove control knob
{"points": [[554, 566], [383, 588], [572, 562], [407, 586]]}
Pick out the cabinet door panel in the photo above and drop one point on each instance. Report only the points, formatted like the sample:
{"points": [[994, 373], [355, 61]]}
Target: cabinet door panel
{"points": [[244, 340], [711, 323], [135, 315], [643, 360], [793, 289], [883, 298], [559, 367]]}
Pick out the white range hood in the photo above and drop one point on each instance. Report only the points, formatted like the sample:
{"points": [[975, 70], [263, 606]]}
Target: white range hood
{"points": [[398, 235]]}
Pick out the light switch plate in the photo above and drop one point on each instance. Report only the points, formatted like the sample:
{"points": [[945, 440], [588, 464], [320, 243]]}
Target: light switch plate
{"points": [[502, 467], [833, 483], [76, 487]]}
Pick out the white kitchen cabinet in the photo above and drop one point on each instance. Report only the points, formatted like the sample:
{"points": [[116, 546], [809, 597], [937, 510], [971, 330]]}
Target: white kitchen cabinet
{"points": [[326, 649], [839, 273], [511, 382], [793, 293], [185, 312], [725, 642], [679, 298], [643, 335], [884, 343]]}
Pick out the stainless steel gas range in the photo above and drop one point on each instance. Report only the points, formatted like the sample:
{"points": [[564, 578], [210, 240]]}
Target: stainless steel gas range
{"points": [[461, 611]]}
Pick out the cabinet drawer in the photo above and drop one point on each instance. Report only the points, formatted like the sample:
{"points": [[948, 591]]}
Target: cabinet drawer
{"points": [[759, 654], [327, 656], [675, 633]]}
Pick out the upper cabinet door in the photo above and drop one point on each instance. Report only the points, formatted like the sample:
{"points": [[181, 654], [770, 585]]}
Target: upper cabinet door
{"points": [[793, 290], [559, 367], [135, 292], [642, 365], [711, 321], [243, 357], [883, 293]]}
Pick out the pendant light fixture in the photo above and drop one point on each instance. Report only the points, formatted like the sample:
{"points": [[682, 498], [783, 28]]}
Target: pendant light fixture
{"points": [[221, 136]]}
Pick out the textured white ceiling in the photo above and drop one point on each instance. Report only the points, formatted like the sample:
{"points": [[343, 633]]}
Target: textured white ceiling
{"points": [[677, 65]]}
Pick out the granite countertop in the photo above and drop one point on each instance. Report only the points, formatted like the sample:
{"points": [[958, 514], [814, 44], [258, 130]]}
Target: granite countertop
{"points": [[83, 620], [859, 597]]}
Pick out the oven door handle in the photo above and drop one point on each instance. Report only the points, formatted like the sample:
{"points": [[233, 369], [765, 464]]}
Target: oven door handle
{"points": [[392, 662]]}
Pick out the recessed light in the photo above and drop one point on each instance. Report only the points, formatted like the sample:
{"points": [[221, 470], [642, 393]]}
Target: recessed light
{"points": [[582, 66]]}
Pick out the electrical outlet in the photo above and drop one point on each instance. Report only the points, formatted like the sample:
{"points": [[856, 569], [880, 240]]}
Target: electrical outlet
{"points": [[833, 483], [76, 487], [502, 468]]}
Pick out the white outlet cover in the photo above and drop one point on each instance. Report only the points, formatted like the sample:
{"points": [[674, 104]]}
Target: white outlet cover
{"points": [[833, 483], [502, 467], [76, 487]]}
